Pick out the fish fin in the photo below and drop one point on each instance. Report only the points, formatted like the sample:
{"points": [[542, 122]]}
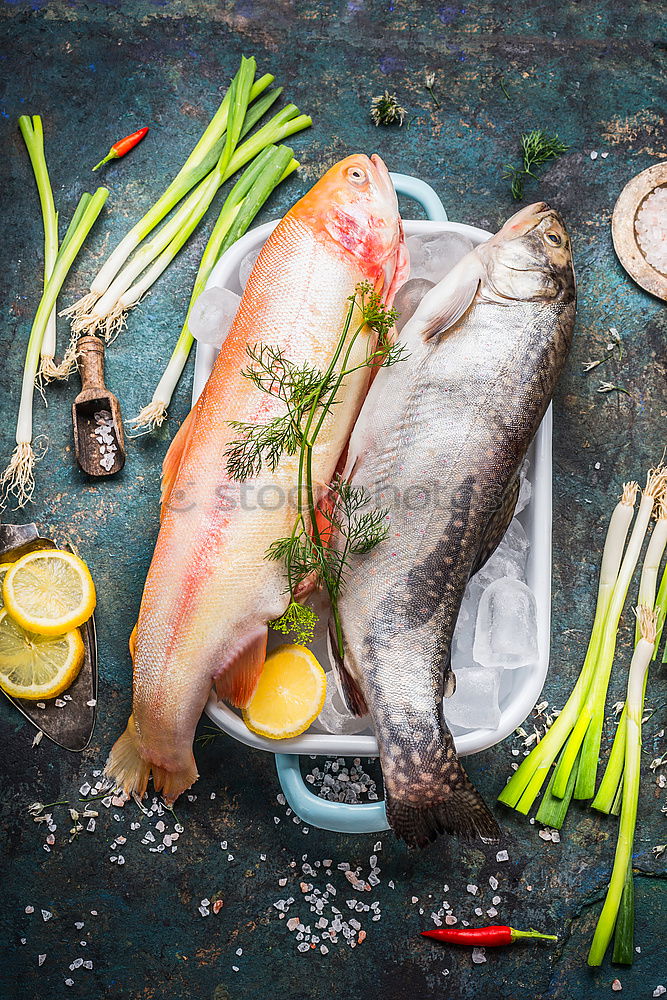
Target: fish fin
{"points": [[349, 689], [132, 641], [174, 783], [237, 680], [172, 460], [498, 523], [463, 814], [445, 303], [129, 770]]}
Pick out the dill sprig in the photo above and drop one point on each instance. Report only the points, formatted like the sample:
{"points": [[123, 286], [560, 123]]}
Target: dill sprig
{"points": [[537, 149], [308, 396], [385, 110]]}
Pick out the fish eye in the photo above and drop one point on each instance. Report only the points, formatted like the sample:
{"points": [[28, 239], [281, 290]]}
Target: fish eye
{"points": [[553, 238], [357, 176]]}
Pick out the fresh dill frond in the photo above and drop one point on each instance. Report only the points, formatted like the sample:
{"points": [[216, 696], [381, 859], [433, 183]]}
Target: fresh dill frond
{"points": [[385, 110], [259, 445], [208, 736], [537, 149], [299, 620]]}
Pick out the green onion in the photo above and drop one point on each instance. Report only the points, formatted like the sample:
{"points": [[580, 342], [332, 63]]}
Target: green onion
{"points": [[33, 135], [595, 699], [199, 163], [524, 786], [18, 477], [606, 793], [242, 204], [621, 874], [109, 310]]}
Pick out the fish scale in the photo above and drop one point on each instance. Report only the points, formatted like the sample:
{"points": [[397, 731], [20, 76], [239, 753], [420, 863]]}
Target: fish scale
{"points": [[450, 425]]}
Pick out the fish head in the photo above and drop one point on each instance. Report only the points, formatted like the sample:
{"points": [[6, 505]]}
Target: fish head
{"points": [[530, 258], [355, 205]]}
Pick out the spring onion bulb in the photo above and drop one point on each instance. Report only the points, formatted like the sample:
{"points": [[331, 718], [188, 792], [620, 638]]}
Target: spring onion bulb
{"points": [[525, 784], [199, 163], [109, 311], [622, 871], [18, 478], [33, 135], [245, 199], [606, 793]]}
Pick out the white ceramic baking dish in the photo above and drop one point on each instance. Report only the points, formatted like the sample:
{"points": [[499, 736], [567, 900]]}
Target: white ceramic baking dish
{"points": [[520, 688]]}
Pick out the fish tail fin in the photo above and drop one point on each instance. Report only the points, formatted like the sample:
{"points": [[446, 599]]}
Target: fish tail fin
{"points": [[428, 792], [125, 765], [462, 813], [129, 770]]}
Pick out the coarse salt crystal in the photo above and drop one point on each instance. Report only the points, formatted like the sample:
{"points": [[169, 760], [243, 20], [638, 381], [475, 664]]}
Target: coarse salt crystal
{"points": [[450, 919], [85, 789], [30, 909], [479, 955], [239, 951], [46, 915], [659, 991], [502, 856], [594, 155], [69, 982], [616, 985], [493, 882], [472, 889]]}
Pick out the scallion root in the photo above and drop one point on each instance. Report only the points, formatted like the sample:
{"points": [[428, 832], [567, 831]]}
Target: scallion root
{"points": [[81, 308], [153, 415], [18, 479]]}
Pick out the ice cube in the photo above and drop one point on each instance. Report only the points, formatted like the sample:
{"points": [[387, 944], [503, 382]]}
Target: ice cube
{"points": [[474, 704], [408, 298], [464, 633], [509, 559], [246, 266], [212, 315], [525, 489], [335, 717], [506, 632], [433, 255]]}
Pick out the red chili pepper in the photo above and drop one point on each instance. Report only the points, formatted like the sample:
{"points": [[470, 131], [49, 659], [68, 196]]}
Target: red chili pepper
{"points": [[493, 936], [123, 146]]}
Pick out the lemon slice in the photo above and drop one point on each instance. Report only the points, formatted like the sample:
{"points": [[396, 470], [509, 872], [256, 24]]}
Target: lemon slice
{"points": [[49, 591], [37, 666], [4, 567], [289, 696]]}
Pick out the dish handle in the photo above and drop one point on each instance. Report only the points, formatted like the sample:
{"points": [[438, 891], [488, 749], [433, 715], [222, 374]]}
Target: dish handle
{"points": [[418, 190], [338, 817]]}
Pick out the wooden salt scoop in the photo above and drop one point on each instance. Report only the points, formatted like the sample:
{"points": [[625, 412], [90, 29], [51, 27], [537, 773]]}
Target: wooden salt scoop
{"points": [[99, 441]]}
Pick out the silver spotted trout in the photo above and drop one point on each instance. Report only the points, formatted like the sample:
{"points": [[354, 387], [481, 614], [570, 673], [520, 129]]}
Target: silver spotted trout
{"points": [[439, 442]]}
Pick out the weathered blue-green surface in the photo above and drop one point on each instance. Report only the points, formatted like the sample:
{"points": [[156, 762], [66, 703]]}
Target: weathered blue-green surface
{"points": [[96, 71]]}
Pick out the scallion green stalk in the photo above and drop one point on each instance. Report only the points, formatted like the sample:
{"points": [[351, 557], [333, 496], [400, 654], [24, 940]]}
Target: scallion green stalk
{"points": [[606, 793], [593, 708], [18, 478], [621, 871], [109, 310], [525, 784], [33, 136], [199, 163], [242, 204]]}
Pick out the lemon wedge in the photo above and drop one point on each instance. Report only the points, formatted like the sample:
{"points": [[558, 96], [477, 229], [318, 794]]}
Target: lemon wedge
{"points": [[49, 591], [289, 696], [37, 666]]}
